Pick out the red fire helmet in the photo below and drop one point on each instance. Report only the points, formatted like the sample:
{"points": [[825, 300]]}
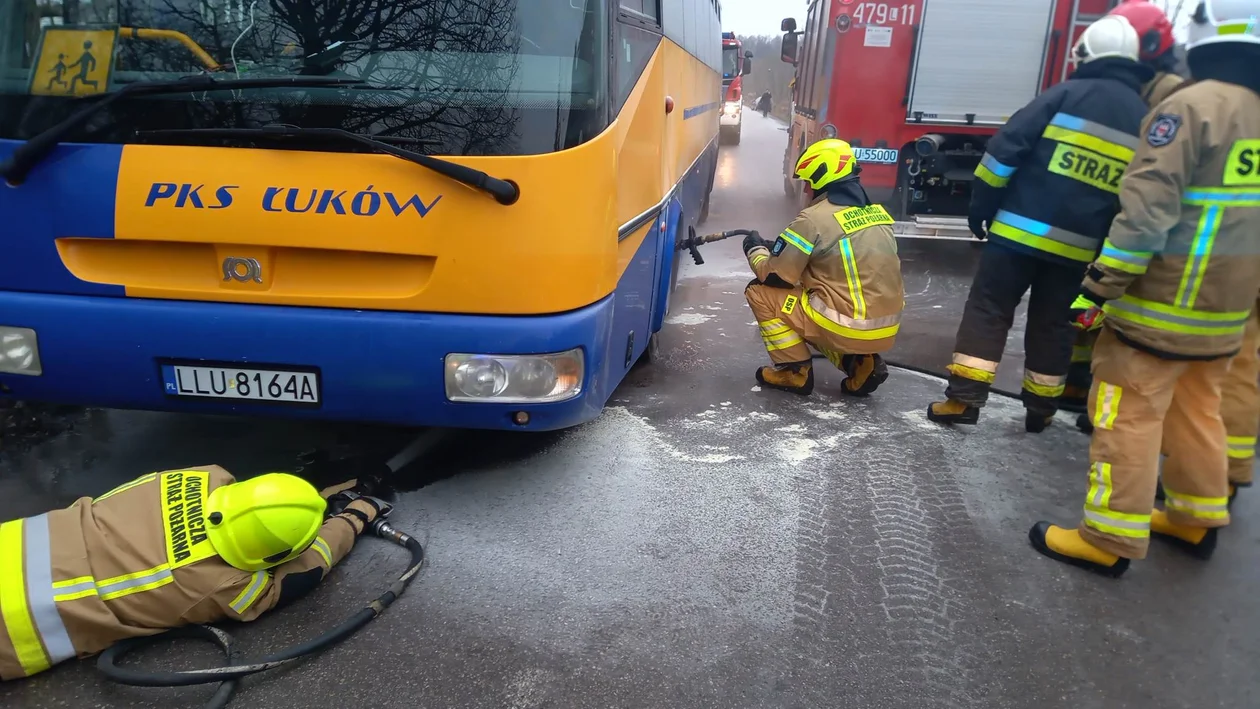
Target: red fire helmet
{"points": [[1153, 26]]}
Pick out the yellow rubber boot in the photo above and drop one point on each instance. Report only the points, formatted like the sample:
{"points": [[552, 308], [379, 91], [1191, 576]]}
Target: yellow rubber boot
{"points": [[1066, 545], [1199, 542], [864, 374], [953, 411], [797, 378]]}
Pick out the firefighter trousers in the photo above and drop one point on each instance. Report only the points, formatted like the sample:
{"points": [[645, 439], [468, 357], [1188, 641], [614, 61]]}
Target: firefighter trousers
{"points": [[1078, 377], [1000, 283], [1138, 401], [787, 330], [1240, 406]]}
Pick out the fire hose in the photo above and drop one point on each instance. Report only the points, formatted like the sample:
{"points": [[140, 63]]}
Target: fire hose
{"points": [[694, 241]]}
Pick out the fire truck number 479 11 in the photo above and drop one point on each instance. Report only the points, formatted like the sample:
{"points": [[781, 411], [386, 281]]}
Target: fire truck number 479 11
{"points": [[882, 13]]}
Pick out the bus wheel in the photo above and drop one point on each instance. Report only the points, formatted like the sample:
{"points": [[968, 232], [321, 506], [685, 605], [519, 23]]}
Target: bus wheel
{"points": [[653, 351], [735, 139]]}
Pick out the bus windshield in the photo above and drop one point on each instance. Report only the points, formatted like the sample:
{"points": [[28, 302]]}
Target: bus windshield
{"points": [[459, 77]]}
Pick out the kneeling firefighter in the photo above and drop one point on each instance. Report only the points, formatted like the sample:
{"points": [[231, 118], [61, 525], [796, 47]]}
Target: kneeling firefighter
{"points": [[1177, 282], [1046, 190], [1157, 51], [832, 279], [165, 550]]}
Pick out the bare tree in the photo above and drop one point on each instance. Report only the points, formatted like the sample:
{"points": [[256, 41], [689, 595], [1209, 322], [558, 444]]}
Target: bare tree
{"points": [[446, 68]]}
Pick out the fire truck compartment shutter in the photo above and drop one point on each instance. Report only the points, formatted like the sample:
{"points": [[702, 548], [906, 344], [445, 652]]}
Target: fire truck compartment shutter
{"points": [[983, 58]]}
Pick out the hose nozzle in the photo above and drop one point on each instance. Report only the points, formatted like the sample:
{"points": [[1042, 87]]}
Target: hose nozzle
{"points": [[385, 531]]}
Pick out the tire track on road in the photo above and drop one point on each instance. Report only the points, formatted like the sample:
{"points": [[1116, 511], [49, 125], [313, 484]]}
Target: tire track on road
{"points": [[932, 584]]}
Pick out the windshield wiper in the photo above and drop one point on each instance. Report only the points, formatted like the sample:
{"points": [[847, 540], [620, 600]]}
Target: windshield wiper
{"points": [[503, 191], [15, 169]]}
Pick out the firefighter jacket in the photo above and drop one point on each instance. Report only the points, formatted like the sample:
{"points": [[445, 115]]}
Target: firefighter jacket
{"points": [[135, 561], [1049, 179], [1160, 88], [844, 258], [1180, 269]]}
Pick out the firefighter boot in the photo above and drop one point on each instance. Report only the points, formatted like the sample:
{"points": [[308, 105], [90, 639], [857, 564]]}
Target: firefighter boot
{"points": [[1036, 423], [1200, 542], [953, 411], [864, 374], [1066, 545], [1085, 425], [796, 377]]}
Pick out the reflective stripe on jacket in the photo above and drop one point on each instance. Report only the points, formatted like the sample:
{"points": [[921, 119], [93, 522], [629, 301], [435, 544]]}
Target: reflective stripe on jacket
{"points": [[1181, 266], [845, 258], [1049, 180], [135, 561]]}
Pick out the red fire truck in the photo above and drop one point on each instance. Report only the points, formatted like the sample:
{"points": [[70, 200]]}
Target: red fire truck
{"points": [[919, 86], [735, 66]]}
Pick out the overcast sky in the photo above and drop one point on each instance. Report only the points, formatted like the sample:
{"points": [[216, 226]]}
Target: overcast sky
{"points": [[749, 17]]}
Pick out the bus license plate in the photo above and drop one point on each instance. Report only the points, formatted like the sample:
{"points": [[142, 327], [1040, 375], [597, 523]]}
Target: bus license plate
{"points": [[270, 385]]}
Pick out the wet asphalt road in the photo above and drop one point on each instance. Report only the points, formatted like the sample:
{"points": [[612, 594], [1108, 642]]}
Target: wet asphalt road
{"points": [[707, 544]]}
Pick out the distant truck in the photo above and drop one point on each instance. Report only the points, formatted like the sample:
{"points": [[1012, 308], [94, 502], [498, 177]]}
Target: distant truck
{"points": [[735, 66], [918, 87]]}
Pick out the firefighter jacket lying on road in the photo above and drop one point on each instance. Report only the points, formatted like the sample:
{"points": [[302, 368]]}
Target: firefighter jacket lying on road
{"points": [[845, 259], [1181, 265], [1049, 181], [136, 561]]}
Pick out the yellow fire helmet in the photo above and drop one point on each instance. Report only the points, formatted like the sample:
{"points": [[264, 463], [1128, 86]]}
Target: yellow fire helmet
{"points": [[825, 162], [259, 523]]}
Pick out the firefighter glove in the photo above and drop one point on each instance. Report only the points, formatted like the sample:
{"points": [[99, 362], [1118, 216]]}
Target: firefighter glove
{"points": [[1086, 314], [978, 227], [363, 507], [754, 240]]}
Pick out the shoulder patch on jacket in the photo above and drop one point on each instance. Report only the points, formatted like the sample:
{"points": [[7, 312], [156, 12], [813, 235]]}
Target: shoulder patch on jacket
{"points": [[779, 245], [1163, 130]]}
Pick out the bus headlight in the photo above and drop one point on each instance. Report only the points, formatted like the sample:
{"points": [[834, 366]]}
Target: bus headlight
{"points": [[829, 131], [732, 107], [19, 351], [522, 379]]}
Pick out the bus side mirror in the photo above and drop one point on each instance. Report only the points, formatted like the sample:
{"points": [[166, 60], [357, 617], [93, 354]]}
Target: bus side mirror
{"points": [[788, 24], [787, 50], [747, 63]]}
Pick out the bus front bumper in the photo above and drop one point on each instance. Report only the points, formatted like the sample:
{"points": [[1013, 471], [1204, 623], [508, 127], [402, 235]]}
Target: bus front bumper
{"points": [[372, 366]]}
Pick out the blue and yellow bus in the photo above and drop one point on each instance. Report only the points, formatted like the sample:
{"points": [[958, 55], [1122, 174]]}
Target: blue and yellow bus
{"points": [[420, 212]]}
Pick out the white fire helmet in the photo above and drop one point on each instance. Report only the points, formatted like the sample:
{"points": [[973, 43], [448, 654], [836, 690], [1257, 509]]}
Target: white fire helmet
{"points": [[1112, 36], [1224, 21]]}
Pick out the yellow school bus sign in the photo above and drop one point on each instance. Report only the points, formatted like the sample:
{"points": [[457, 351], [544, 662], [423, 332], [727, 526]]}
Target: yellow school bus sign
{"points": [[73, 61]]}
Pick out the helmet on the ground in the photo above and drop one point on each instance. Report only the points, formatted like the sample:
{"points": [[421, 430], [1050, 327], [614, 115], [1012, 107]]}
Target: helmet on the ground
{"points": [[258, 523], [1111, 37], [1155, 30], [1224, 22], [825, 162]]}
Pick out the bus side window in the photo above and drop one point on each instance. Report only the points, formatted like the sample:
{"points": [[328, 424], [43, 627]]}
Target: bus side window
{"points": [[646, 9], [633, 49]]}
